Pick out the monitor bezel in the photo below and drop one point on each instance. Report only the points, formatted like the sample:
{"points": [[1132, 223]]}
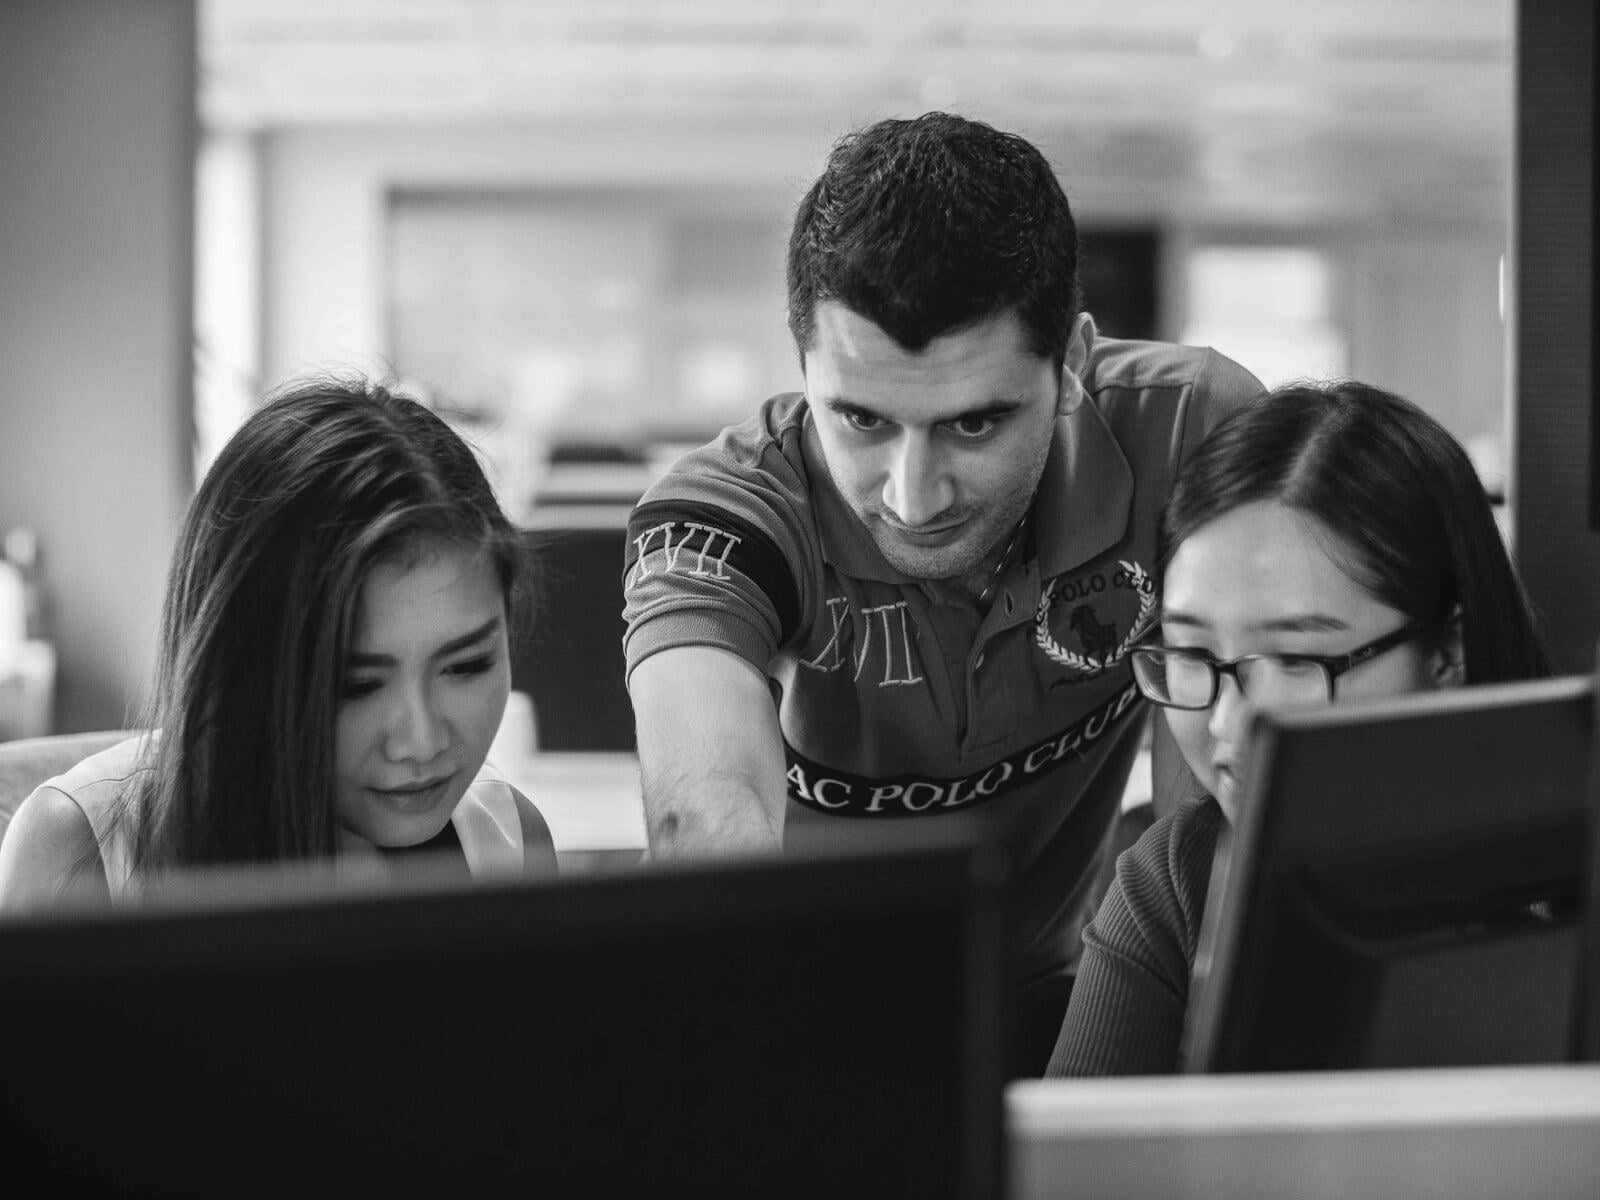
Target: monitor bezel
{"points": [[1235, 881]]}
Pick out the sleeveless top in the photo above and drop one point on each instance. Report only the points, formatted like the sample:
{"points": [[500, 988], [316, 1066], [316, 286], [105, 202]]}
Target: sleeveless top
{"points": [[486, 820]]}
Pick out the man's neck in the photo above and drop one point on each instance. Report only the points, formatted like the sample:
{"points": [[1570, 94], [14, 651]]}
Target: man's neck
{"points": [[980, 584]]}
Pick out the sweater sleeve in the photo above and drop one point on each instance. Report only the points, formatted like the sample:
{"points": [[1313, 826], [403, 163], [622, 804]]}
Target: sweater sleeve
{"points": [[1127, 1008]]}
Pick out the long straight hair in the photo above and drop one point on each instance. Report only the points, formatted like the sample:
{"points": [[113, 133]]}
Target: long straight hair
{"points": [[323, 482], [1414, 524]]}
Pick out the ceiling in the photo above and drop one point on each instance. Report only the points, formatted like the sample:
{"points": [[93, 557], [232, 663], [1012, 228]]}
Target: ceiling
{"points": [[1248, 108]]}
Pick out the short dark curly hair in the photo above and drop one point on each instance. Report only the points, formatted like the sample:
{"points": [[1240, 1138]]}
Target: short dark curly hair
{"points": [[928, 225]]}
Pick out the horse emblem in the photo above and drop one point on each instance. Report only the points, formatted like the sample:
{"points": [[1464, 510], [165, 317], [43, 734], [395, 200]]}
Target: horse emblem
{"points": [[1100, 646], [1099, 640]]}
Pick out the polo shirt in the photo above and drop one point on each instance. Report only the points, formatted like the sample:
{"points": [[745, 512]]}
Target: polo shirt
{"points": [[898, 700]]}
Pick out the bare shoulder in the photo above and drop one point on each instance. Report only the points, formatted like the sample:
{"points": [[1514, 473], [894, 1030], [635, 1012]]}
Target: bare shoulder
{"points": [[48, 839], [538, 847]]}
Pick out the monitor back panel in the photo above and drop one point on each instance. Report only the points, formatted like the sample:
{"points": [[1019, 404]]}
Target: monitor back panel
{"points": [[1404, 886], [826, 1027]]}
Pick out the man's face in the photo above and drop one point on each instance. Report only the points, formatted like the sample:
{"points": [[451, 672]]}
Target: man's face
{"points": [[938, 452]]}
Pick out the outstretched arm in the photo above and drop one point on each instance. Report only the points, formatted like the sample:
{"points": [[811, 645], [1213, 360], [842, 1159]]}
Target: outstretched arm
{"points": [[710, 754]]}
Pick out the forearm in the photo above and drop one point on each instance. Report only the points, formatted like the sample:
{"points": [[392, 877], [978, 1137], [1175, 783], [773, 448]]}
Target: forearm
{"points": [[721, 814], [1122, 1020], [1127, 1009], [711, 755]]}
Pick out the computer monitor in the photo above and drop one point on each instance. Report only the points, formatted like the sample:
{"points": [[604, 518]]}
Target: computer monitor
{"points": [[1588, 1003], [1404, 886], [810, 1025]]}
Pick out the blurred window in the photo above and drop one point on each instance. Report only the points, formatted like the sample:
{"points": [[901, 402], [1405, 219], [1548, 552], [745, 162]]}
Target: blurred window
{"points": [[607, 320], [1268, 307]]}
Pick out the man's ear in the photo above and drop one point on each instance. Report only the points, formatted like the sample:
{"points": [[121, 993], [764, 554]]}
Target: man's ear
{"points": [[1074, 362], [1450, 660]]}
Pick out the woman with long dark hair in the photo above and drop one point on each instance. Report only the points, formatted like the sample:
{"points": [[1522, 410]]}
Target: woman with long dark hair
{"points": [[1328, 542], [334, 663]]}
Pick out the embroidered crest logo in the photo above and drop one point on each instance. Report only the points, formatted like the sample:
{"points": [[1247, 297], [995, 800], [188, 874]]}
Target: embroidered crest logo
{"points": [[1098, 608]]}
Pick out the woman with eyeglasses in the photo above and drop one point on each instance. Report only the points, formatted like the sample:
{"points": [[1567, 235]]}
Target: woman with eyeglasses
{"points": [[1330, 542]]}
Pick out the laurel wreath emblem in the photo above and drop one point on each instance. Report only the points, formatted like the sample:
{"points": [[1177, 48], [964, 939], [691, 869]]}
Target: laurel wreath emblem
{"points": [[1135, 578]]}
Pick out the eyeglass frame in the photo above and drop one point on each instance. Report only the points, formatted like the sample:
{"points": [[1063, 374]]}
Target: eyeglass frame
{"points": [[1333, 665]]}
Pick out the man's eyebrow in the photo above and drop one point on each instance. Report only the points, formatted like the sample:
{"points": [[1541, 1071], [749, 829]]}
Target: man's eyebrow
{"points": [[991, 408], [471, 638], [842, 404]]}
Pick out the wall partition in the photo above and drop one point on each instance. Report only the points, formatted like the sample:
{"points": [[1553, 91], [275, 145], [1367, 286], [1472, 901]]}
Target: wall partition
{"points": [[97, 136], [1557, 434]]}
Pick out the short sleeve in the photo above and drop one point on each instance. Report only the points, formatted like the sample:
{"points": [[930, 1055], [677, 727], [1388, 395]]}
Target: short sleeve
{"points": [[718, 549]]}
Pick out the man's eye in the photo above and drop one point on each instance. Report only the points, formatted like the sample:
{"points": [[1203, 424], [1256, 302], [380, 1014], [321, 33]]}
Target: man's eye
{"points": [[860, 420], [973, 427]]}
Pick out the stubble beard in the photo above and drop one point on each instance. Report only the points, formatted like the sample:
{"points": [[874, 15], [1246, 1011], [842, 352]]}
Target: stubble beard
{"points": [[978, 549]]}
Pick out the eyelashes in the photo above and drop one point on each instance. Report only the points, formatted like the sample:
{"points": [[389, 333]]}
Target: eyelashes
{"points": [[972, 428], [964, 427], [360, 686]]}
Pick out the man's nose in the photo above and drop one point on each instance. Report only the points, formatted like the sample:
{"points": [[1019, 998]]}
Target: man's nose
{"points": [[917, 488]]}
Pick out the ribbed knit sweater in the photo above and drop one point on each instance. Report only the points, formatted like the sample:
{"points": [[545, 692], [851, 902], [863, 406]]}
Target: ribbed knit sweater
{"points": [[1126, 1012]]}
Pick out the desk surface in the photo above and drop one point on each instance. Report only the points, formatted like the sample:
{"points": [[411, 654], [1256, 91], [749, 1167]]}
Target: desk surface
{"points": [[1455, 1133]]}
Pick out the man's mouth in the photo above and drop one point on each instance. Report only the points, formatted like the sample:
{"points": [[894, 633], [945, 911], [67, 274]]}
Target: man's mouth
{"points": [[931, 532]]}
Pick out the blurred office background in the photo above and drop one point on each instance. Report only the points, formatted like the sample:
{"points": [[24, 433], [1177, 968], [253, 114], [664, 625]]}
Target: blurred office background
{"points": [[566, 220], [562, 223]]}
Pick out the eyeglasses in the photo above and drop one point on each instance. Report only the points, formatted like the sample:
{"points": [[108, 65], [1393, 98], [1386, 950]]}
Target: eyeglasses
{"points": [[1192, 679]]}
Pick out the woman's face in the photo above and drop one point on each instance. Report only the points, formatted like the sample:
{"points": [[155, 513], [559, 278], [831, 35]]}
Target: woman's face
{"points": [[425, 686], [1265, 579]]}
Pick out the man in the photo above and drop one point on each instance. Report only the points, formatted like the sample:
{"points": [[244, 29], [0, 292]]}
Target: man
{"points": [[911, 590]]}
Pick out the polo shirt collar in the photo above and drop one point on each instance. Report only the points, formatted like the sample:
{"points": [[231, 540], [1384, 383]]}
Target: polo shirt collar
{"points": [[1085, 496], [1081, 508]]}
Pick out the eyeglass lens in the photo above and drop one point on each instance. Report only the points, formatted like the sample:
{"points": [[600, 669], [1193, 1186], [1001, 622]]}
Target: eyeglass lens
{"points": [[1192, 681]]}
